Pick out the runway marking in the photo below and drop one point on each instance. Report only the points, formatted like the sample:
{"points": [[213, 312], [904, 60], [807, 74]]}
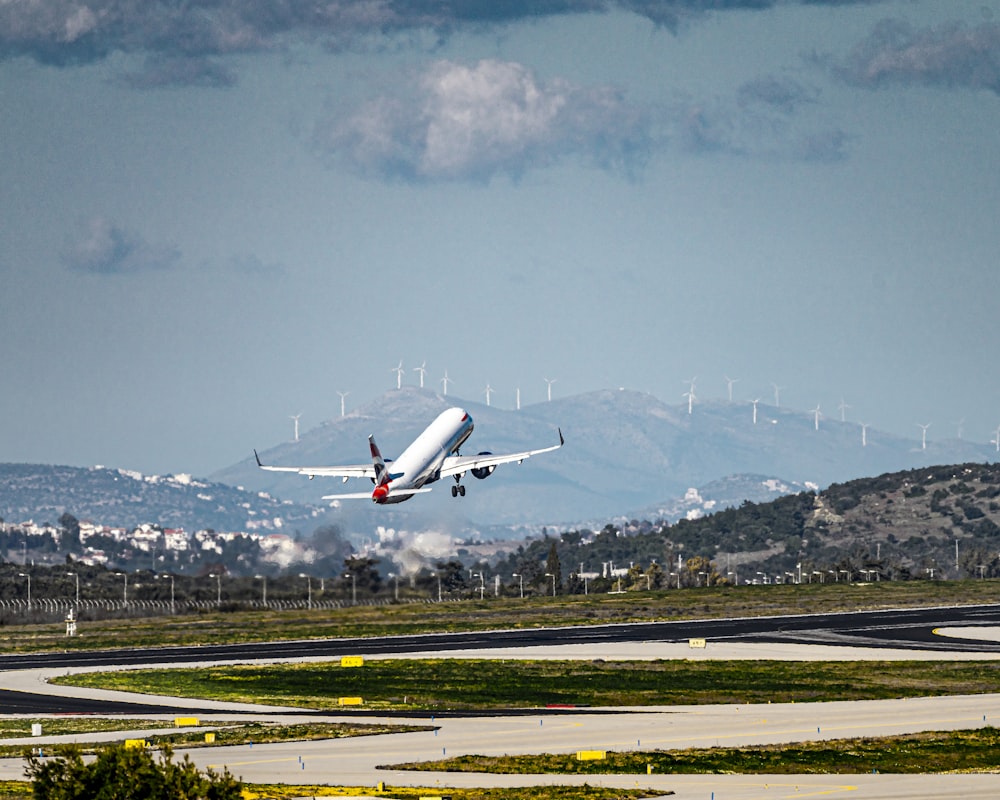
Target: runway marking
{"points": [[247, 763], [796, 792]]}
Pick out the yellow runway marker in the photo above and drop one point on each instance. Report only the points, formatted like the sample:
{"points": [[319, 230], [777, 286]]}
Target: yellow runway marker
{"points": [[245, 763], [795, 791]]}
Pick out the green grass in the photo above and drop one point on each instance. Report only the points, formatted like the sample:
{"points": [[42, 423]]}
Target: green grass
{"points": [[495, 613], [950, 751], [15, 790], [227, 733], [15, 728], [21, 790], [585, 792], [482, 685]]}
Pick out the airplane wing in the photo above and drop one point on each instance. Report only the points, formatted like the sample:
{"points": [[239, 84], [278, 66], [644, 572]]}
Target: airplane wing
{"points": [[455, 465], [345, 471]]}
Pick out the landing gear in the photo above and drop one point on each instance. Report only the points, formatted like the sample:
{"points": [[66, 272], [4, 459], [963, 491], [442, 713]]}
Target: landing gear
{"points": [[457, 490]]}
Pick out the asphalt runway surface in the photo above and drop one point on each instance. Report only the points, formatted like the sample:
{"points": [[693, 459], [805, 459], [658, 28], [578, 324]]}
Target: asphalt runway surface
{"points": [[972, 632], [910, 629]]}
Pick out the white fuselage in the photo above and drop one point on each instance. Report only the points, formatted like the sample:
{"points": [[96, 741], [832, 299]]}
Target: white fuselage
{"points": [[420, 463]]}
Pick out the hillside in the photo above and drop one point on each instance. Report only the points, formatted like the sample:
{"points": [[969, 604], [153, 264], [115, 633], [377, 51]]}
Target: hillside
{"points": [[897, 526], [124, 499]]}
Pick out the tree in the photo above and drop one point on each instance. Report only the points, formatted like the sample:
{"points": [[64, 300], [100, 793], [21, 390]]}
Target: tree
{"points": [[126, 773], [70, 527], [552, 567], [365, 576]]}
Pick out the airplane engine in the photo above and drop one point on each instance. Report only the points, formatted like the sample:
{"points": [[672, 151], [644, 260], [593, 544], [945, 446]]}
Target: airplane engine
{"points": [[483, 472]]}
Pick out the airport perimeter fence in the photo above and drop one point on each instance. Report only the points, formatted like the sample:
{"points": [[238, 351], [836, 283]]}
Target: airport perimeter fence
{"points": [[43, 611]]}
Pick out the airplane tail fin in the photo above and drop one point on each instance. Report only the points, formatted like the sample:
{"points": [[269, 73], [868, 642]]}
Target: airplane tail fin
{"points": [[382, 476]]}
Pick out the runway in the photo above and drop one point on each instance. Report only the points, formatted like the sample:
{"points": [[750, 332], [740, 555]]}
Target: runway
{"points": [[965, 633]]}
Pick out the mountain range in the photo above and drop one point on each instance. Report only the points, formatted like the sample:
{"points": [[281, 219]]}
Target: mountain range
{"points": [[42, 493], [627, 454]]}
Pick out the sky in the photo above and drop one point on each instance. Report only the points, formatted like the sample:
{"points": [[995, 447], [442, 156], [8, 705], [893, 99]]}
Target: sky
{"points": [[216, 216]]}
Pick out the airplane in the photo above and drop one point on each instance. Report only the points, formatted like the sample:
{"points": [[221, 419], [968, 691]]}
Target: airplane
{"points": [[432, 455]]}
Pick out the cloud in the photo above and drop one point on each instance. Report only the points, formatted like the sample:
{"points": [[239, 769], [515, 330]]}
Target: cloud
{"points": [[948, 56], [780, 93], [458, 122], [104, 248], [67, 32], [762, 121], [169, 71]]}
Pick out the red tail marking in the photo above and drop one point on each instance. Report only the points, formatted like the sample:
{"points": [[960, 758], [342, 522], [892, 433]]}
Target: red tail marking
{"points": [[380, 493]]}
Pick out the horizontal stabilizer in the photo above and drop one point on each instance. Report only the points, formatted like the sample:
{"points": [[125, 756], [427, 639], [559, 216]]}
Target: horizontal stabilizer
{"points": [[368, 495]]}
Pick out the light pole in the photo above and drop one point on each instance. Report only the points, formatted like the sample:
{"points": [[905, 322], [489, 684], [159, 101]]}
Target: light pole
{"points": [[439, 585], [263, 589], [354, 587], [520, 581], [171, 590], [26, 575], [482, 584], [124, 588], [551, 575], [309, 590], [395, 590], [77, 576], [218, 588]]}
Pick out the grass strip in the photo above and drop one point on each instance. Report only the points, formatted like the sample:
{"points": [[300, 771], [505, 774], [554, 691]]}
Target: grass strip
{"points": [[16, 728], [228, 734], [479, 685], [15, 790], [585, 792], [976, 750], [21, 790], [213, 627]]}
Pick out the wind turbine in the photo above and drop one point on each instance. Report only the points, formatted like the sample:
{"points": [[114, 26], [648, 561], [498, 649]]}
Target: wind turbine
{"points": [[864, 434], [489, 391], [689, 394], [816, 415], [445, 381], [295, 417], [843, 408], [729, 386], [422, 369], [996, 438], [777, 395], [342, 396], [517, 398], [960, 424], [399, 374], [550, 381], [923, 434], [755, 410]]}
